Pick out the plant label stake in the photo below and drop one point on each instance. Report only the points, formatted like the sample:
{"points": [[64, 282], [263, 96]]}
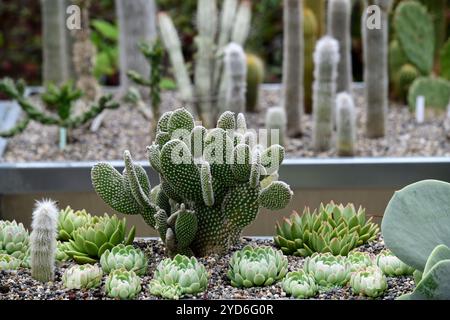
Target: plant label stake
{"points": [[420, 109], [62, 138]]}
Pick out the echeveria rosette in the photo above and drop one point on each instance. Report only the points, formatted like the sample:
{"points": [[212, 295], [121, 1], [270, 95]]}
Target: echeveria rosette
{"points": [[370, 282], [91, 241], [328, 270], [127, 257], [177, 277], [82, 277], [333, 228], [359, 260], [215, 197], [300, 285], [393, 266], [123, 284], [69, 221], [254, 267], [14, 239], [8, 262]]}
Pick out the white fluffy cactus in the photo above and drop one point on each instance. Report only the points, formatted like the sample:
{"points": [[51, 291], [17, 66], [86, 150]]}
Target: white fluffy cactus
{"points": [[236, 77], [293, 65], [339, 20], [376, 74], [276, 123], [43, 240], [326, 59], [346, 125]]}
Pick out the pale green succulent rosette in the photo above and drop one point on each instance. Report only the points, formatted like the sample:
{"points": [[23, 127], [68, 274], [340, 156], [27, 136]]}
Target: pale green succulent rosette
{"points": [[14, 239], [359, 260], [8, 262], [82, 277], [61, 249], [370, 282], [69, 221], [91, 241], [328, 270], [393, 266], [254, 267], [123, 284], [127, 257], [177, 277], [300, 285]]}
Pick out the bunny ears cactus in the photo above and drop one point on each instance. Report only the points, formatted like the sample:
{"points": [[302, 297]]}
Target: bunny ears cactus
{"points": [[210, 183]]}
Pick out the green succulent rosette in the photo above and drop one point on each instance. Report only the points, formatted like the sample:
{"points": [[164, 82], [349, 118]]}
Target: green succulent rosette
{"points": [[328, 270], [122, 256], [300, 285], [370, 282], [82, 277], [91, 241], [8, 262], [392, 266], [359, 260], [123, 284], [69, 221], [254, 267], [14, 239], [177, 277]]}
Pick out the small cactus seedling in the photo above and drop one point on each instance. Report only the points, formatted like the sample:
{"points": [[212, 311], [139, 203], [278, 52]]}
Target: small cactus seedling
{"points": [[43, 240], [346, 125]]}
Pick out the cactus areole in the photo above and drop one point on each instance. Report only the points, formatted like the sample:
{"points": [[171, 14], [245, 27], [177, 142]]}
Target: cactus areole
{"points": [[211, 183]]}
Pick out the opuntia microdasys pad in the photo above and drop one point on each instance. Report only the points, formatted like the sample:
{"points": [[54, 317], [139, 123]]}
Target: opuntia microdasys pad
{"points": [[417, 219]]}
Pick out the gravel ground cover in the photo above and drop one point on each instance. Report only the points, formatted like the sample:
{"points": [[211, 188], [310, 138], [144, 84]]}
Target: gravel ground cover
{"points": [[18, 285]]}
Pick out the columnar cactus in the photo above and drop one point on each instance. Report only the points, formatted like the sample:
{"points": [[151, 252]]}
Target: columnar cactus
{"points": [[293, 65], [346, 125], [208, 193], [276, 120], [339, 19], [376, 70], [255, 76], [326, 59], [236, 75], [311, 33], [43, 240]]}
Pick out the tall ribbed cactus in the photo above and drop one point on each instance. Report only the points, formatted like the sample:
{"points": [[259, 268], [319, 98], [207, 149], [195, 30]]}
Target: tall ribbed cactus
{"points": [[346, 125], [210, 183], [255, 76], [293, 65], [210, 80], [326, 59], [311, 32], [276, 120], [376, 69], [43, 240], [339, 18], [236, 71]]}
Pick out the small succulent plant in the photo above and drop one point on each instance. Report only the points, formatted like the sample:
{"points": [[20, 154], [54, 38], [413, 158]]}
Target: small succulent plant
{"points": [[328, 270], [392, 266], [369, 282], [14, 239], [123, 284], [82, 277], [253, 267], [69, 221], [8, 262], [359, 260], [103, 233], [177, 277], [300, 285], [61, 249], [127, 257], [333, 228]]}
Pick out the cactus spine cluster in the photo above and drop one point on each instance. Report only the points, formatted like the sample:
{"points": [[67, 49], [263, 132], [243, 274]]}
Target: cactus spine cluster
{"points": [[326, 59], [346, 125], [209, 75], [43, 240], [293, 65], [339, 19], [236, 75], [212, 183], [376, 71], [276, 120], [311, 32], [255, 76]]}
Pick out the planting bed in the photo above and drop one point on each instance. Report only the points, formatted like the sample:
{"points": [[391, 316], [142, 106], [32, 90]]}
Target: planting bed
{"points": [[127, 129], [20, 285]]}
